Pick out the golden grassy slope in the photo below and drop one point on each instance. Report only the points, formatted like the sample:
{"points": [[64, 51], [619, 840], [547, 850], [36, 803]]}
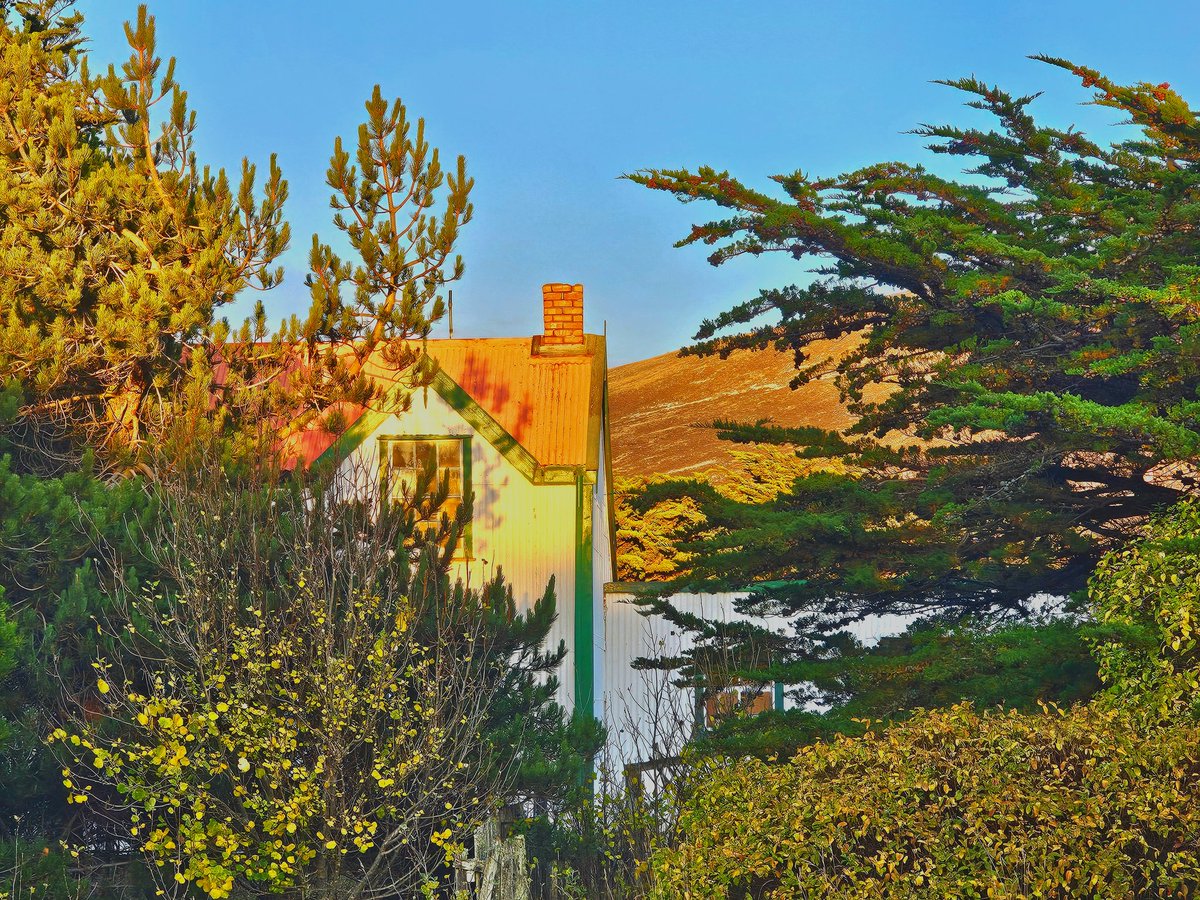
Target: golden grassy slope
{"points": [[659, 405]]}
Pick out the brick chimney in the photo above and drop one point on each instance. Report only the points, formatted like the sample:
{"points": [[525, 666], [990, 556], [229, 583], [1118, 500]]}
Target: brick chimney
{"points": [[562, 313]]}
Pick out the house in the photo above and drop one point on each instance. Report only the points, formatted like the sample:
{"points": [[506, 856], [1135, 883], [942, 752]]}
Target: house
{"points": [[524, 423]]}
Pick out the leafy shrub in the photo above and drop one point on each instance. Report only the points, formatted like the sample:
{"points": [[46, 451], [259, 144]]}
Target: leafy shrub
{"points": [[1150, 592], [1101, 800], [306, 700], [954, 804]]}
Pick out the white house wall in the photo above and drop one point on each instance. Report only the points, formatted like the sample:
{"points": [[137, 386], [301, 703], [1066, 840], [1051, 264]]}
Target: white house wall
{"points": [[526, 530], [602, 573], [646, 716]]}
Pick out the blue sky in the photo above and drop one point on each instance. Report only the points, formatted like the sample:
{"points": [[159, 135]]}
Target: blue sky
{"points": [[552, 101]]}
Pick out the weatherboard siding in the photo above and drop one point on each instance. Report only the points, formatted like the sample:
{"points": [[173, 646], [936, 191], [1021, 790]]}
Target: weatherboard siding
{"points": [[643, 713], [526, 530], [640, 708]]}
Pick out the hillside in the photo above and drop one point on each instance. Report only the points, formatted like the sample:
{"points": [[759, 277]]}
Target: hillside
{"points": [[659, 405]]}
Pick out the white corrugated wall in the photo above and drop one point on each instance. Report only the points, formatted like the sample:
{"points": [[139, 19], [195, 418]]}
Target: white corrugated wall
{"points": [[602, 573], [647, 717]]}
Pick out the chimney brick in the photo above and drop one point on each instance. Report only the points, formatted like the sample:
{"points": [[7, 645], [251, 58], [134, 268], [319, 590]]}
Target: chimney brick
{"points": [[562, 314]]}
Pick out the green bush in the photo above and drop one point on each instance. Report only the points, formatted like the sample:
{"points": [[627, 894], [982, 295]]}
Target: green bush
{"points": [[1100, 800], [37, 870], [954, 804], [1150, 593]]}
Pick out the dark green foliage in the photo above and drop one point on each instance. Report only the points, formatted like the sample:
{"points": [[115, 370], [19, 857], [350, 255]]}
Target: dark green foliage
{"points": [[35, 869], [9, 640], [552, 746], [1035, 328], [1018, 666], [61, 536], [63, 540], [548, 747], [1039, 323]]}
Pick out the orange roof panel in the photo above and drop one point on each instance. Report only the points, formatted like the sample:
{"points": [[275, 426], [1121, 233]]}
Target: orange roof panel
{"points": [[549, 402]]}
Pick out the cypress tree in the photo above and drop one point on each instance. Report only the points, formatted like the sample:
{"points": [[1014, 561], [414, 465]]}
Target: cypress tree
{"points": [[1038, 326], [1035, 325]]}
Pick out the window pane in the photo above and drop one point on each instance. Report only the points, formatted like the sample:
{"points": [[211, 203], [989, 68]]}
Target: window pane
{"points": [[401, 482], [449, 454], [426, 453], [402, 454]]}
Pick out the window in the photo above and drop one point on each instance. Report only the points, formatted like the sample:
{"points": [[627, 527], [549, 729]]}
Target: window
{"points": [[405, 459]]}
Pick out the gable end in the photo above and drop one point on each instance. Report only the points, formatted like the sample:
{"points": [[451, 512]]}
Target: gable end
{"points": [[475, 416]]}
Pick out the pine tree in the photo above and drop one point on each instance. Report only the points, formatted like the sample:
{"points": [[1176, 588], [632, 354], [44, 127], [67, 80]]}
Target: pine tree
{"points": [[117, 246], [400, 214], [120, 249], [117, 249], [64, 540]]}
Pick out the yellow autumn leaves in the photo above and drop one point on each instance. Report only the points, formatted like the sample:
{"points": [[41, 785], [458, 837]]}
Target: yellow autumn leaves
{"points": [[239, 767], [952, 804]]}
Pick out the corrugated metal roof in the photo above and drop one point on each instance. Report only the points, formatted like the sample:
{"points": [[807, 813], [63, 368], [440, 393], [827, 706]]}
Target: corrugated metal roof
{"points": [[549, 402], [307, 446]]}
